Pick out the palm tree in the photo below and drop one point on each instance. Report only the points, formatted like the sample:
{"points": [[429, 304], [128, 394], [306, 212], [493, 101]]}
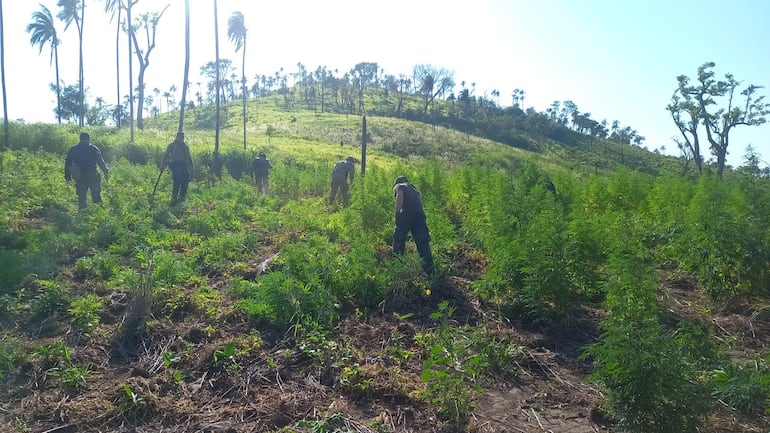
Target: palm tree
{"points": [[236, 30], [219, 80], [186, 63], [116, 6], [130, 68], [6, 132], [43, 32], [68, 14]]}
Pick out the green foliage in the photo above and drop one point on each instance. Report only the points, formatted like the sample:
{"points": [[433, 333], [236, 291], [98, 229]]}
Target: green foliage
{"points": [[226, 358], [51, 298], [724, 244], [11, 270], [651, 375], [55, 361], [71, 377], [353, 380], [293, 265], [85, 312], [53, 355], [101, 266], [745, 388], [523, 227], [458, 362], [11, 354]]}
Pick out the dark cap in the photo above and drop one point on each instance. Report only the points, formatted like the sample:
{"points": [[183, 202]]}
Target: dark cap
{"points": [[84, 136], [350, 159], [401, 179], [180, 134]]}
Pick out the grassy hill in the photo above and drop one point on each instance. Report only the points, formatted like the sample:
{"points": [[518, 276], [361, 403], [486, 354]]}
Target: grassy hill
{"points": [[630, 299]]}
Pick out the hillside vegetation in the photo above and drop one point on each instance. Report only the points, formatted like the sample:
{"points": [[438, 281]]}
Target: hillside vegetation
{"points": [[630, 299]]}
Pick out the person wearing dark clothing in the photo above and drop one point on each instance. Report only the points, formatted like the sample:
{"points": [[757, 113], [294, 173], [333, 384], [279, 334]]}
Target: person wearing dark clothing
{"points": [[259, 171], [179, 158], [410, 217], [80, 165], [342, 171]]}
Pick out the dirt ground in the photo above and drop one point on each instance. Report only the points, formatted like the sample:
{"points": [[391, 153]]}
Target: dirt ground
{"points": [[278, 387]]}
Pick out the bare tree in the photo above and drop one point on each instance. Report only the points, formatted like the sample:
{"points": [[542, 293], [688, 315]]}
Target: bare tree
{"points": [[147, 23], [431, 82], [708, 92]]}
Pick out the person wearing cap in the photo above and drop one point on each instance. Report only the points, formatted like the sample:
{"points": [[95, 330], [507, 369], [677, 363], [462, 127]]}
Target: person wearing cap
{"points": [[410, 217], [80, 165], [342, 171], [259, 171], [179, 158]]}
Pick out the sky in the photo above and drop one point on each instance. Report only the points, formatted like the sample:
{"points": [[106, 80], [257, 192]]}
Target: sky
{"points": [[617, 60]]}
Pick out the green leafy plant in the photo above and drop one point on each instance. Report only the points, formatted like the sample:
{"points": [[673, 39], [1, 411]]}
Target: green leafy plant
{"points": [[11, 353], [51, 298], [353, 379], [226, 357], [72, 377], [651, 375], [743, 387], [53, 355], [85, 312]]}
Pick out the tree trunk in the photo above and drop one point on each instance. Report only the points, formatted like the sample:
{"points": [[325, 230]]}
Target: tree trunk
{"points": [[6, 127], [363, 146], [140, 96], [58, 83], [130, 71], [186, 63], [219, 80], [82, 78], [243, 90], [119, 105]]}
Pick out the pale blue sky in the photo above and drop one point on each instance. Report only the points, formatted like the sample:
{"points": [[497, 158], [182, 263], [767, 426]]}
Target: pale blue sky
{"points": [[617, 60]]}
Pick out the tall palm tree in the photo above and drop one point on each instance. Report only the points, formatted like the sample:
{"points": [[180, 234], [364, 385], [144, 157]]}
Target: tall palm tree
{"points": [[68, 14], [6, 131], [130, 30], [116, 6], [236, 30], [219, 79], [186, 63], [43, 32]]}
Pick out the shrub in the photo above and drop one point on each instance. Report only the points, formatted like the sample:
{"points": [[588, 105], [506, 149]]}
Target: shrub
{"points": [[85, 312], [11, 353], [743, 387], [11, 270]]}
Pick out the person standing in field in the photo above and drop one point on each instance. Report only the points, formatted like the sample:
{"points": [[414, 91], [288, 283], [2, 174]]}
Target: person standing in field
{"points": [[410, 217], [342, 171], [179, 158], [80, 165], [260, 168]]}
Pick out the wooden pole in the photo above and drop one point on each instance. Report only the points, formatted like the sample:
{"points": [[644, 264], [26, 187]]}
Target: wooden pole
{"points": [[363, 146]]}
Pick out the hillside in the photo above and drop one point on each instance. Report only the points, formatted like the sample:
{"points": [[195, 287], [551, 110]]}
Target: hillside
{"points": [[237, 312]]}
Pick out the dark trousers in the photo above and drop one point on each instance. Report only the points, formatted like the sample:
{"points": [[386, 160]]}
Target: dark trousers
{"points": [[90, 181], [340, 184], [181, 178], [262, 184], [421, 236]]}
